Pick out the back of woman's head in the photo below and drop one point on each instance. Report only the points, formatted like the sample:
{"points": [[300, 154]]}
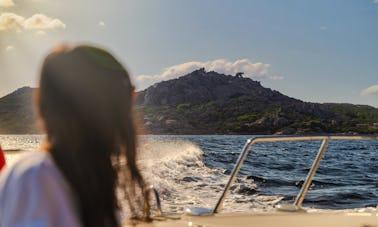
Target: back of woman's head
{"points": [[85, 104]]}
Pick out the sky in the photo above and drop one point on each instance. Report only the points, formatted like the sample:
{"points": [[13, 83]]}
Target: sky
{"points": [[317, 51]]}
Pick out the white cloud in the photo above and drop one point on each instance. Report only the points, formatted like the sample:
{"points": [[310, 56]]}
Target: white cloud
{"points": [[101, 24], [375, 1], [12, 21], [6, 3], [255, 70], [9, 48], [324, 27], [9, 21], [372, 90], [41, 21], [276, 77], [40, 33]]}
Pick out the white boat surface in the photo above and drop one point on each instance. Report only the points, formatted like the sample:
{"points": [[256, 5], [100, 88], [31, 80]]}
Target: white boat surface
{"points": [[276, 219]]}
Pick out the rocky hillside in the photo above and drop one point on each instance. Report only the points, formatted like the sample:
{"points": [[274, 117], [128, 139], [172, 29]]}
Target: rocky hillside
{"points": [[201, 87], [209, 102], [212, 103], [16, 113]]}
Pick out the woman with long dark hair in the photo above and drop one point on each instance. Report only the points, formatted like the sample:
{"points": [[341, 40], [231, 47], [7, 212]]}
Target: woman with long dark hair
{"points": [[89, 164]]}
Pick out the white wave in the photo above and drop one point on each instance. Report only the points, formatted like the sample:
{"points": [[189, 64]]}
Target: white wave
{"points": [[20, 142], [177, 170]]}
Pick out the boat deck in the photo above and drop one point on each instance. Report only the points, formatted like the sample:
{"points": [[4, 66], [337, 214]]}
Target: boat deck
{"points": [[272, 219]]}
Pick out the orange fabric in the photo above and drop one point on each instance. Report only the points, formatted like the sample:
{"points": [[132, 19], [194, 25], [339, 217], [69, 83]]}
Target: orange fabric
{"points": [[2, 159]]}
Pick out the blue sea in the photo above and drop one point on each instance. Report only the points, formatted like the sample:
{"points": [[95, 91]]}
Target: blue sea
{"points": [[191, 171]]}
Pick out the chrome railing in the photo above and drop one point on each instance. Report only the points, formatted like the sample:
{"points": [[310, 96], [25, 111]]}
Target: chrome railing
{"points": [[11, 150], [159, 211], [263, 139]]}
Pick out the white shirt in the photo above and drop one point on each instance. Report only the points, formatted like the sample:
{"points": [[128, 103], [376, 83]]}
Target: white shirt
{"points": [[33, 192]]}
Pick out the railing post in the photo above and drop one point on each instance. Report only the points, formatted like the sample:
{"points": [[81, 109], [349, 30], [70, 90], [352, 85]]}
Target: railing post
{"points": [[157, 198], [234, 174], [307, 183]]}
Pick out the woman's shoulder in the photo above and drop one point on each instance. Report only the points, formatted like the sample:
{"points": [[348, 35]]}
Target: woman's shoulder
{"points": [[30, 162], [29, 165], [33, 192]]}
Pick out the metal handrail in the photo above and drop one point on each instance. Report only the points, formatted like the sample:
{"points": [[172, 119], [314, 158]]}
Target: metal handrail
{"points": [[11, 150], [157, 199], [263, 139]]}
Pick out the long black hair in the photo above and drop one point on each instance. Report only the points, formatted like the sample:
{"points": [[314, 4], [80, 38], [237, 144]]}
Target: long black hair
{"points": [[85, 102]]}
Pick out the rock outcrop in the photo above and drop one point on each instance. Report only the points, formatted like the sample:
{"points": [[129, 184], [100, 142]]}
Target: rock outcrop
{"points": [[201, 87], [209, 102]]}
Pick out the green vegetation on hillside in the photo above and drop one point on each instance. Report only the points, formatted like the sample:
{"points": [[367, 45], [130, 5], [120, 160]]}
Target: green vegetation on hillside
{"points": [[247, 117]]}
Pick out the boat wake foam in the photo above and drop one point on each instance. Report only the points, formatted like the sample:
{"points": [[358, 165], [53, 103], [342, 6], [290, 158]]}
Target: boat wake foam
{"points": [[177, 170]]}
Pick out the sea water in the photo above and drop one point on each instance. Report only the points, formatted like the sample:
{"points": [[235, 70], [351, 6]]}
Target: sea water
{"points": [[191, 171]]}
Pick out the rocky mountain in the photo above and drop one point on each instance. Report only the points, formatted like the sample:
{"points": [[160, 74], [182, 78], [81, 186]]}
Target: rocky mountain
{"points": [[211, 103], [17, 114], [202, 87]]}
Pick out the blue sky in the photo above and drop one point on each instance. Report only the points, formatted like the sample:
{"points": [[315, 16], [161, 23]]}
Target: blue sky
{"points": [[318, 51]]}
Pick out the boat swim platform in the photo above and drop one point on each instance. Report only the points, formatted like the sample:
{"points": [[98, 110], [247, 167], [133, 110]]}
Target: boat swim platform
{"points": [[275, 219]]}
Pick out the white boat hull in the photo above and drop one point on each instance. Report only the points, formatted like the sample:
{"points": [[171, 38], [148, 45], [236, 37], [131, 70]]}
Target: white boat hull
{"points": [[276, 219]]}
